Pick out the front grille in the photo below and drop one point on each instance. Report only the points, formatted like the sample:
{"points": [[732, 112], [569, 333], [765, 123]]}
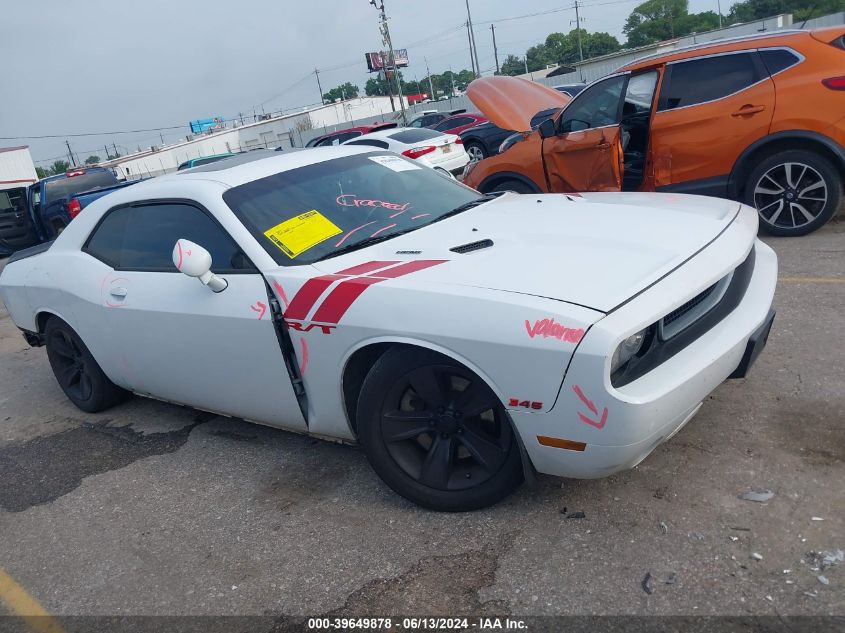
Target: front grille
{"points": [[681, 310]]}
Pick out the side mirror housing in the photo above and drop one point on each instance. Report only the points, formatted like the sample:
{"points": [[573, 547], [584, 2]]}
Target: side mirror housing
{"points": [[547, 129], [194, 261]]}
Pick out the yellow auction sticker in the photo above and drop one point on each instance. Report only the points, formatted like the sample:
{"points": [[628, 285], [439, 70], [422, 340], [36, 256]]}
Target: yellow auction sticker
{"points": [[305, 231]]}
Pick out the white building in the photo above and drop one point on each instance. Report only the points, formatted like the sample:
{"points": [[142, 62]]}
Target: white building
{"points": [[16, 168], [288, 130]]}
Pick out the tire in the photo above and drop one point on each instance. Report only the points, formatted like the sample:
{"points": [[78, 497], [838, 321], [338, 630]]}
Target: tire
{"points": [[516, 186], [476, 151], [58, 227], [411, 427], [76, 371], [795, 192]]}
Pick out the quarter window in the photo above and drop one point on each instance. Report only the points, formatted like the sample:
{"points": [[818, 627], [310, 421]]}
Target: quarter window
{"points": [[708, 79], [778, 59], [597, 106], [142, 238]]}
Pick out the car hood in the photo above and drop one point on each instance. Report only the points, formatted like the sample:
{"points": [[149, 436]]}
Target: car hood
{"points": [[510, 102], [595, 250]]}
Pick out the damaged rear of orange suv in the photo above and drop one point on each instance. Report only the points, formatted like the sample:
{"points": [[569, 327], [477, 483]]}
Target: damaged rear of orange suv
{"points": [[759, 119]]}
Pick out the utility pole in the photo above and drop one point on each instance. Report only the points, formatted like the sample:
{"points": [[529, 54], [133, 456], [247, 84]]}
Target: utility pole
{"points": [[495, 50], [70, 153], [471, 57], [107, 151], [472, 42], [319, 87], [525, 59], [387, 81], [385, 30], [430, 85], [115, 149], [578, 31], [719, 7]]}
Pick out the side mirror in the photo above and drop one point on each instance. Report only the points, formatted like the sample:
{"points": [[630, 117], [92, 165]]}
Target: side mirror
{"points": [[194, 261], [547, 129]]}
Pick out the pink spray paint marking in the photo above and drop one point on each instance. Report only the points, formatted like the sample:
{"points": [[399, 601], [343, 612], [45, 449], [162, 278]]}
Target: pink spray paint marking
{"points": [[304, 363], [351, 200], [551, 328], [111, 281], [357, 228], [420, 215], [259, 307], [384, 228], [395, 214], [281, 292], [599, 424]]}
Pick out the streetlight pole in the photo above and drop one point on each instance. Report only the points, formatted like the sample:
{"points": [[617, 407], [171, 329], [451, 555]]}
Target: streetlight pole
{"points": [[472, 42], [385, 29]]}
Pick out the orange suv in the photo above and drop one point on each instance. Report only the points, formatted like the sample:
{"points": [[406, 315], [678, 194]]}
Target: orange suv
{"points": [[759, 119]]}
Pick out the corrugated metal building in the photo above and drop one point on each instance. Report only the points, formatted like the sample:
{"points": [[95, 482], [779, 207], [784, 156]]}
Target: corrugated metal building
{"points": [[16, 167]]}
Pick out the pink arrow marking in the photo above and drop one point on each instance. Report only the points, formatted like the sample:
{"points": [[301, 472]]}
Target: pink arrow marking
{"points": [[592, 407], [259, 307]]}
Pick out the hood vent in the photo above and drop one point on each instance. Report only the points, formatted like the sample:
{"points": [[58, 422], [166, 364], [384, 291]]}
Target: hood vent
{"points": [[472, 246]]}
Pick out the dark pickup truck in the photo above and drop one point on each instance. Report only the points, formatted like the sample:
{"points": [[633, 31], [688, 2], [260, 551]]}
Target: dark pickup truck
{"points": [[51, 203]]}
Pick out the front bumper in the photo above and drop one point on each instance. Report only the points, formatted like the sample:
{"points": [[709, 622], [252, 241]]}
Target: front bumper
{"points": [[608, 429]]}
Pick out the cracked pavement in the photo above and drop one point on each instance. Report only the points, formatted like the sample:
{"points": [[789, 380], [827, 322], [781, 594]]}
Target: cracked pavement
{"points": [[151, 508]]}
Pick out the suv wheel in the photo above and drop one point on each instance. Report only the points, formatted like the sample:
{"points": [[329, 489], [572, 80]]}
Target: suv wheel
{"points": [[795, 192]]}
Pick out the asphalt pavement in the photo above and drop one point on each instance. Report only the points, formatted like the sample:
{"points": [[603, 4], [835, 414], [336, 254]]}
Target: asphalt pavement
{"points": [[155, 509]]}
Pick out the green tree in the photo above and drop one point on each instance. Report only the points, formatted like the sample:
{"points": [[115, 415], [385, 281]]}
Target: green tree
{"points": [[654, 21], [59, 167], [92, 160], [750, 10], [598, 44], [344, 91], [563, 48], [41, 172], [538, 57], [512, 66]]}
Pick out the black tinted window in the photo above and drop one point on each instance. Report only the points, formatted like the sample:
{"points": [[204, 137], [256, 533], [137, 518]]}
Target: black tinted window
{"points": [[597, 106], [410, 137], [708, 79], [67, 187], [448, 124], [369, 141], [778, 59], [142, 238]]}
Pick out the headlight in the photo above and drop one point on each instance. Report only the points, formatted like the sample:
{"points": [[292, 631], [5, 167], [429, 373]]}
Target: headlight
{"points": [[627, 350]]}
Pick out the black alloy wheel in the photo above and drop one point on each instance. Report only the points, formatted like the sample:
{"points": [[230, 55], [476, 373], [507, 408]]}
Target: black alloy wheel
{"points": [[437, 433]]}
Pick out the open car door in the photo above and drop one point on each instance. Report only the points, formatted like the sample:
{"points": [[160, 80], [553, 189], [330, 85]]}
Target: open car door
{"points": [[585, 154]]}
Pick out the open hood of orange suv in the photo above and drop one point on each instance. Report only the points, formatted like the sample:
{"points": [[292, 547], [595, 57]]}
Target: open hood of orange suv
{"points": [[510, 102]]}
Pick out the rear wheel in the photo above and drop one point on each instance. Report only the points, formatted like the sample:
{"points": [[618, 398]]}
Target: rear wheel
{"points": [[795, 192], [436, 433], [76, 371], [517, 186], [475, 151]]}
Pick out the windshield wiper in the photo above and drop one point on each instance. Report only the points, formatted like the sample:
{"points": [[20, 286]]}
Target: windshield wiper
{"points": [[369, 241], [487, 197]]}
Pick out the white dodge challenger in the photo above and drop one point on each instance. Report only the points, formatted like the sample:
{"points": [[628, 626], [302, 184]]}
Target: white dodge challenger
{"points": [[462, 340]]}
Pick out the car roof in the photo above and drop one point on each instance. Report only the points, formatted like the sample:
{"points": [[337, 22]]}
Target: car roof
{"points": [[385, 134], [743, 42]]}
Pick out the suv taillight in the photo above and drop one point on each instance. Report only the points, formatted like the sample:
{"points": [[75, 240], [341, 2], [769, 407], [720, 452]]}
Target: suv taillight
{"points": [[416, 152], [73, 207], [834, 83]]}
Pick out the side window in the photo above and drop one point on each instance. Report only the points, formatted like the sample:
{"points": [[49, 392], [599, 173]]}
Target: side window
{"points": [[431, 119], [778, 59], [447, 124], [416, 123], [597, 106], [142, 238], [708, 79], [369, 141], [639, 94]]}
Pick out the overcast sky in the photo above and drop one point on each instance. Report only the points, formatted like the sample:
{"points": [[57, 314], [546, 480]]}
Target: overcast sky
{"points": [[96, 65]]}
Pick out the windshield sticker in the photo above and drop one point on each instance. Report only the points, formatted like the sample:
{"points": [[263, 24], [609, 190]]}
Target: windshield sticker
{"points": [[297, 235], [394, 162], [351, 200]]}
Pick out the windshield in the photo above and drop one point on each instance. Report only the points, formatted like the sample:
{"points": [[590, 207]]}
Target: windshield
{"points": [[68, 187], [310, 213]]}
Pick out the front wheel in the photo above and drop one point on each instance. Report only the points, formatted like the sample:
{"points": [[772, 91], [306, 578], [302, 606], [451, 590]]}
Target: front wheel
{"points": [[76, 371], [436, 433], [476, 151], [795, 192]]}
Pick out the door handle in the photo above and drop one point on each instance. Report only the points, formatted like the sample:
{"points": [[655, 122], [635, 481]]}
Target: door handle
{"points": [[118, 293], [748, 109]]}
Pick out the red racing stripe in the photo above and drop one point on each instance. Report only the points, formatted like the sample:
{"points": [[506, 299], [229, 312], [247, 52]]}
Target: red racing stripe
{"points": [[305, 298], [341, 298], [407, 268], [361, 269]]}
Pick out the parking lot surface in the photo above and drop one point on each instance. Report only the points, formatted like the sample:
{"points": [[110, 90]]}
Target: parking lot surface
{"points": [[152, 508]]}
